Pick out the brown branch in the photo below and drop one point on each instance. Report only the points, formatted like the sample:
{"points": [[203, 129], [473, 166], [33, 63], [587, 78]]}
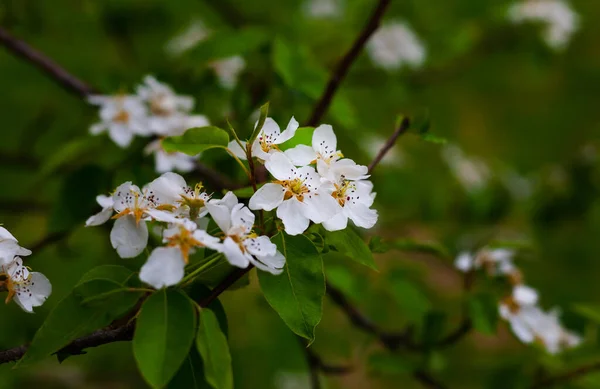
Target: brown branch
{"points": [[56, 72], [120, 333], [568, 376], [342, 68], [402, 128]]}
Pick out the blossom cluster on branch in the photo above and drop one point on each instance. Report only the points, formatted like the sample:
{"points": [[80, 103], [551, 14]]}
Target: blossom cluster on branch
{"points": [[27, 288], [528, 321]]}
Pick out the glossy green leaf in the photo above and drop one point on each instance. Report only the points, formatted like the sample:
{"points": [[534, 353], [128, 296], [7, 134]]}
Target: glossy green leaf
{"points": [[297, 294], [191, 374], [303, 136], [163, 336], [214, 349], [71, 318], [350, 244], [197, 140], [483, 310]]}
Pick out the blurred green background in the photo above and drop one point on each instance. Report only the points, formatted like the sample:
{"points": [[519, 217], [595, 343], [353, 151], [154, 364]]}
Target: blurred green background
{"points": [[489, 87]]}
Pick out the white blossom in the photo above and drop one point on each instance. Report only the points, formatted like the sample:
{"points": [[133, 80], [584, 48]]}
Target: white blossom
{"points": [[195, 33], [168, 162], [122, 116], [322, 9], [228, 70], [268, 140], [353, 201], [107, 203], [395, 45], [295, 194], [28, 289], [472, 173], [241, 246], [559, 18]]}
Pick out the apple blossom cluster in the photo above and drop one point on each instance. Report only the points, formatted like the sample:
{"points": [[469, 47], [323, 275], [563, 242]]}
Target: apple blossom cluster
{"points": [[154, 111], [310, 183], [558, 17], [27, 288], [529, 322], [181, 212], [395, 45]]}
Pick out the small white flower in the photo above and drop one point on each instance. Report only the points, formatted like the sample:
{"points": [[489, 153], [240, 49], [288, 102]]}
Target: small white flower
{"points": [[107, 203], [472, 173], [295, 193], [395, 45], [195, 33], [464, 262], [183, 201], [9, 247], [228, 70], [560, 19], [326, 156], [167, 162], [240, 245], [121, 116], [353, 200], [323, 9], [266, 144], [168, 111], [28, 289]]}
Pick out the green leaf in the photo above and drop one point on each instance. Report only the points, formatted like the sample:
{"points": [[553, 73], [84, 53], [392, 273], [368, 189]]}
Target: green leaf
{"points": [[378, 246], [483, 310], [411, 300], [413, 245], [163, 336], [589, 311], [264, 113], [388, 364], [197, 140], [434, 139], [350, 244], [297, 294], [303, 136], [190, 375], [71, 319], [214, 349]]}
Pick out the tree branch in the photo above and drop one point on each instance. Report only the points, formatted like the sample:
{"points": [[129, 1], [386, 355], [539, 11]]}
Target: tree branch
{"points": [[568, 376], [402, 128], [57, 73], [344, 65]]}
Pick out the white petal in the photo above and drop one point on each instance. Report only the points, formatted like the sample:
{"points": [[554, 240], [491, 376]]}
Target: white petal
{"points": [[280, 167], [291, 213], [235, 148], [270, 129], [322, 137], [120, 134], [336, 223], [221, 212], [105, 201], [209, 241], [261, 246], [268, 197], [525, 295], [242, 217], [9, 249], [33, 293], [273, 264], [289, 132], [348, 169], [164, 267], [129, 238], [234, 254], [361, 215], [99, 218], [121, 193], [167, 188], [4, 234], [301, 155], [164, 216], [521, 330], [320, 207], [464, 262]]}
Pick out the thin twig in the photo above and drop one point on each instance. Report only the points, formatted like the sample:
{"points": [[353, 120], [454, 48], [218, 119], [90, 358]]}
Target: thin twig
{"points": [[56, 72], [342, 68], [402, 128], [567, 377]]}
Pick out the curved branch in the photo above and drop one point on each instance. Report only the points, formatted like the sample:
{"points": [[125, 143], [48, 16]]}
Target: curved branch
{"points": [[344, 65], [402, 128], [56, 72]]}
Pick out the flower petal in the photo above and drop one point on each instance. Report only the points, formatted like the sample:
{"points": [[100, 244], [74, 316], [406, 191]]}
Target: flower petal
{"points": [[33, 293], [268, 197], [324, 141], [167, 188], [234, 254], [281, 167], [273, 264], [361, 215], [301, 155], [235, 148], [291, 213], [336, 223], [164, 267], [129, 238], [99, 218], [261, 246], [289, 132], [241, 216]]}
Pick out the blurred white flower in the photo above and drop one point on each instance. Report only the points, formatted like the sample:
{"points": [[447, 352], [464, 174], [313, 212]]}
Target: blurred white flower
{"points": [[195, 33], [122, 117], [228, 70], [560, 19], [170, 162], [395, 45], [322, 9], [472, 173]]}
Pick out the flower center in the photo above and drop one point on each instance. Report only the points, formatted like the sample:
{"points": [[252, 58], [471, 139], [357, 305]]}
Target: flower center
{"points": [[340, 192], [266, 143], [121, 117], [195, 199], [185, 241], [512, 305], [157, 106], [294, 188]]}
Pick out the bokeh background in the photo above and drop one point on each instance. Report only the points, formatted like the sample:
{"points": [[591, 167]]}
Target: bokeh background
{"points": [[520, 166]]}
